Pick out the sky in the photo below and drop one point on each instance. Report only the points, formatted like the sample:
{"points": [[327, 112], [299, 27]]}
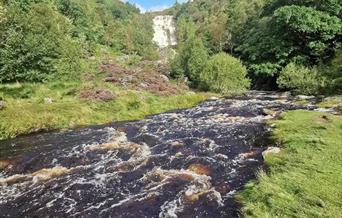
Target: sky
{"points": [[154, 5]]}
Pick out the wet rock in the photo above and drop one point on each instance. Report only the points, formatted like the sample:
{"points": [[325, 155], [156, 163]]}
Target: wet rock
{"points": [[4, 164], [97, 95], [2, 105], [199, 169], [176, 144], [270, 151], [304, 97], [223, 188], [179, 154]]}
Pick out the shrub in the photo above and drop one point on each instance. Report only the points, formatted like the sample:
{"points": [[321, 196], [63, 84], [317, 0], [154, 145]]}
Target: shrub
{"points": [[225, 74], [300, 79]]}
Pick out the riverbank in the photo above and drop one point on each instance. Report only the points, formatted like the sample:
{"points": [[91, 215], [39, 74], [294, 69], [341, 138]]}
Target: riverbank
{"points": [[304, 180], [61, 110], [110, 87]]}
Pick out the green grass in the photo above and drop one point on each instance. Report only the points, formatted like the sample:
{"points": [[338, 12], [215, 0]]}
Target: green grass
{"points": [[305, 179], [26, 111]]}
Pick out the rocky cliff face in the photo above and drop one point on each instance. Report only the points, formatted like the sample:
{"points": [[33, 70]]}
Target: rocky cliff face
{"points": [[164, 31]]}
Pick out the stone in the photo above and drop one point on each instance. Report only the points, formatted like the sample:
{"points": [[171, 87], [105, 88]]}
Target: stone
{"points": [[4, 164], [214, 98], [72, 125], [270, 151], [304, 97], [165, 78], [2, 105], [48, 100]]}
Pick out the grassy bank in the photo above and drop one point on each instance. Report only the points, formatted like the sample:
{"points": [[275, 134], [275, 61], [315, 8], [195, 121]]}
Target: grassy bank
{"points": [[305, 179], [26, 110]]}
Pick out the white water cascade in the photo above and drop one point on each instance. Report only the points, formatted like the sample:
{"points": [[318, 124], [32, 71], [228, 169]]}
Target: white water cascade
{"points": [[164, 31]]}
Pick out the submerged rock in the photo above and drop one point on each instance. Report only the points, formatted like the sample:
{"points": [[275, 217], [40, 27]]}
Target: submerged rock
{"points": [[199, 169]]}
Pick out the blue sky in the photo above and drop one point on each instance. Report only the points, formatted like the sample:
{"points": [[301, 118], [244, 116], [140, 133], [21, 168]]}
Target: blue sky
{"points": [[153, 5]]}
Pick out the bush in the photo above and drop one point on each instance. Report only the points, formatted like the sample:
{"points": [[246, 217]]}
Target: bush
{"points": [[225, 74], [300, 79]]}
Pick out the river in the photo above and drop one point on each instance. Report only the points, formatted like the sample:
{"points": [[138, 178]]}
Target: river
{"points": [[184, 163]]}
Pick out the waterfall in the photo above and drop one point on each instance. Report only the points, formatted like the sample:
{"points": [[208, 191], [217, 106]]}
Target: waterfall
{"points": [[164, 31]]}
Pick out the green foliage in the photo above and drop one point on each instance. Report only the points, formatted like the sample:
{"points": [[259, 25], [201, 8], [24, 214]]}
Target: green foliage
{"points": [[32, 42], [300, 79], [304, 179], [333, 72], [210, 17], [45, 39], [305, 32], [313, 30], [191, 58], [225, 74]]}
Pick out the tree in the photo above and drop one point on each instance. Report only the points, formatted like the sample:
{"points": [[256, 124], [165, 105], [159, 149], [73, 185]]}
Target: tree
{"points": [[190, 60], [224, 74], [32, 43]]}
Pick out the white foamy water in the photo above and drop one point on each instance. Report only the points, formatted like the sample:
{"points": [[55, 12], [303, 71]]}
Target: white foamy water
{"points": [[164, 31]]}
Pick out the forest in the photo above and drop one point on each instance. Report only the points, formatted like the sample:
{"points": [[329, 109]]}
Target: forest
{"points": [[284, 44]]}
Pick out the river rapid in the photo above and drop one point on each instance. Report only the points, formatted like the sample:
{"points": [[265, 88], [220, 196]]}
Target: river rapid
{"points": [[184, 163]]}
